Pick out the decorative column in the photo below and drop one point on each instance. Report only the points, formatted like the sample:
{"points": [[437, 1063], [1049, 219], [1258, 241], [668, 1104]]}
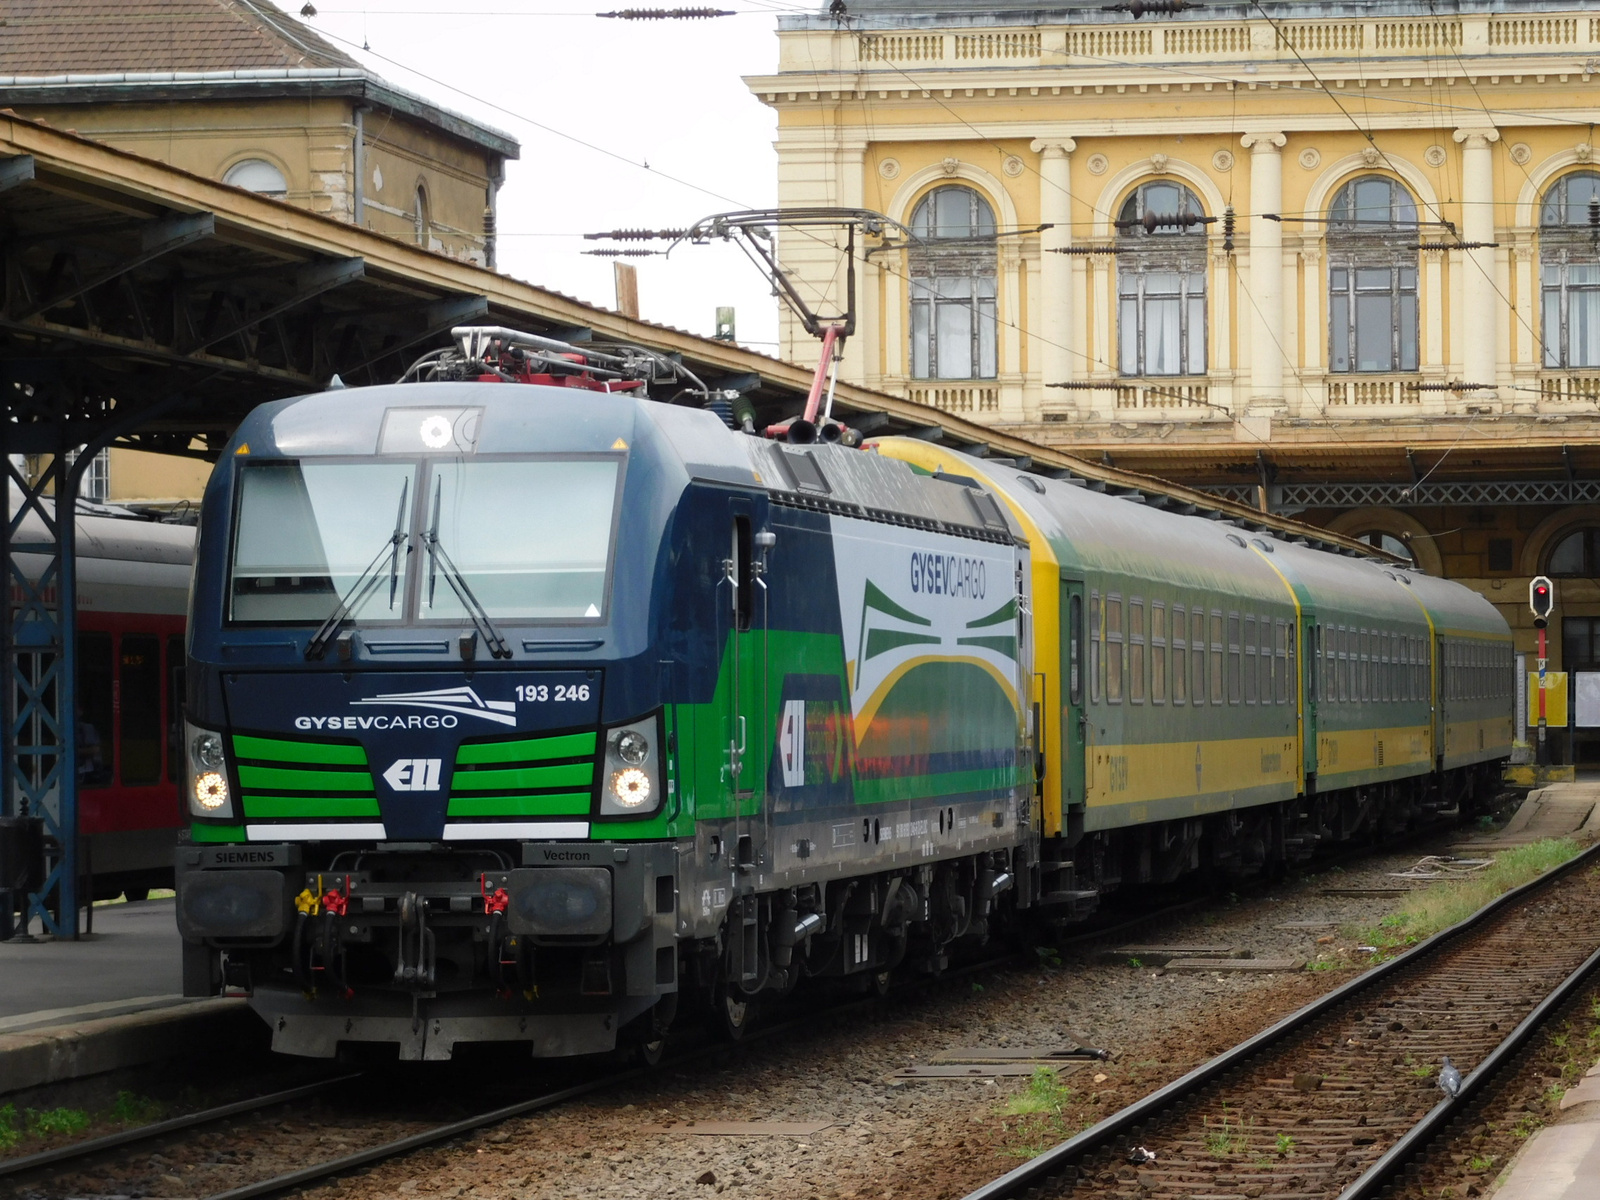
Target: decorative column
{"points": [[1265, 303], [1478, 291], [1057, 362]]}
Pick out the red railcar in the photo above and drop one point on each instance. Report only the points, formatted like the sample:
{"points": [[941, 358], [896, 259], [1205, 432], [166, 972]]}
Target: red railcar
{"points": [[133, 583]]}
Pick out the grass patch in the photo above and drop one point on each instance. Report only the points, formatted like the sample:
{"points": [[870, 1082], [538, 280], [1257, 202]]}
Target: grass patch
{"points": [[44, 1122], [130, 1108], [1037, 1109], [10, 1135], [1431, 909]]}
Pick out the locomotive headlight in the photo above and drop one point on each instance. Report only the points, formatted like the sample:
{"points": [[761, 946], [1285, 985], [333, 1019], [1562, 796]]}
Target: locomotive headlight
{"points": [[631, 783], [633, 747], [209, 794], [630, 788]]}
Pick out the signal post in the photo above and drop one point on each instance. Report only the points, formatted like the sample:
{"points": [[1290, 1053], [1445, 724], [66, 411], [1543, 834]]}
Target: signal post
{"points": [[1541, 599]]}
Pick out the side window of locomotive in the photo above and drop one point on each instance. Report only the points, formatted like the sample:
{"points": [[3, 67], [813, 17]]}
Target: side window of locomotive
{"points": [[1158, 653], [1249, 659], [1113, 649], [744, 591], [139, 718], [1136, 645], [94, 709], [1075, 649], [1180, 655], [1235, 656], [1216, 656], [177, 682], [1097, 649]]}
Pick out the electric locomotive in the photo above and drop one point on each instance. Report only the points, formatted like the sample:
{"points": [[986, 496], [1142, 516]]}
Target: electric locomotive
{"points": [[515, 712]]}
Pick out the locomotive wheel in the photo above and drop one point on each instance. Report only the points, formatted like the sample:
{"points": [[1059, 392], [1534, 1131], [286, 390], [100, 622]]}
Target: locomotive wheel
{"points": [[651, 1053], [733, 1013]]}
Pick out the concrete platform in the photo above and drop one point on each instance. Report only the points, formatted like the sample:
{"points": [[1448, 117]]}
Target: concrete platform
{"points": [[108, 1002], [1561, 1161], [134, 954], [1559, 810]]}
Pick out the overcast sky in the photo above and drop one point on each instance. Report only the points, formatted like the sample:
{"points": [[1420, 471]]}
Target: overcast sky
{"points": [[666, 93]]}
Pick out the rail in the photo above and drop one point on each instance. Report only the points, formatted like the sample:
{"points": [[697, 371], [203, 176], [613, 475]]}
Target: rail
{"points": [[1056, 1171]]}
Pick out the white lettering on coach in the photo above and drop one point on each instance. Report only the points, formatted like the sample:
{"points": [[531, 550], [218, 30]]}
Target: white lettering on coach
{"points": [[414, 774]]}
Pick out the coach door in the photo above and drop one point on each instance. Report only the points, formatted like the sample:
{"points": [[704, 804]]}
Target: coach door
{"points": [[1311, 686], [1074, 677]]}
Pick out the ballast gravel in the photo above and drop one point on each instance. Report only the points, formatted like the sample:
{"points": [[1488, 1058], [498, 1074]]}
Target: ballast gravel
{"points": [[923, 1139]]}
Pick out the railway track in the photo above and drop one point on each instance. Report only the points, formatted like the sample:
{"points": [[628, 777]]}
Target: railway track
{"points": [[1340, 1098]]}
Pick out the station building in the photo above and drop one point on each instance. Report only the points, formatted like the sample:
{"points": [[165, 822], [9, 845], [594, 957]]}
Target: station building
{"points": [[1342, 261], [240, 92]]}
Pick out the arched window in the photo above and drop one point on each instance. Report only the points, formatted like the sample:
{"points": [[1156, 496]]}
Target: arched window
{"points": [[1388, 543], [1569, 272], [1161, 282], [259, 176], [421, 217], [1578, 553], [953, 286], [1372, 277]]}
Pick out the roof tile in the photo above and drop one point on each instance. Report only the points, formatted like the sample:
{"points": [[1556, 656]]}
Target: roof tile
{"points": [[54, 37]]}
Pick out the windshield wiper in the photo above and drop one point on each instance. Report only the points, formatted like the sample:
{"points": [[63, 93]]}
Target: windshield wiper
{"points": [[458, 584], [365, 582]]}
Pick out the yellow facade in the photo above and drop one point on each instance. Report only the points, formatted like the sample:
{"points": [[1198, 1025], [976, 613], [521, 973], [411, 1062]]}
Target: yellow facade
{"points": [[1058, 123]]}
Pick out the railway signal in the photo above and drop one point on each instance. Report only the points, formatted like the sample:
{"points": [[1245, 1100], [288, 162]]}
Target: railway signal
{"points": [[1541, 599]]}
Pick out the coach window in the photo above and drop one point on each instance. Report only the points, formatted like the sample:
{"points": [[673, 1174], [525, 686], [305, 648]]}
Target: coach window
{"points": [[1264, 660], [1136, 643], [1372, 277], [1164, 655], [953, 271], [1097, 657], [1234, 656], [1283, 658], [139, 703], [1249, 648], [1075, 649], [1197, 656], [1113, 649], [1569, 273], [1158, 653], [1216, 656], [94, 710], [1341, 663]]}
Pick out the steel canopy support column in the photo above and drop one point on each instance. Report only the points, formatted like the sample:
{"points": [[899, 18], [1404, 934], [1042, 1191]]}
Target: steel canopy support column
{"points": [[1266, 268], [1056, 357], [1478, 290]]}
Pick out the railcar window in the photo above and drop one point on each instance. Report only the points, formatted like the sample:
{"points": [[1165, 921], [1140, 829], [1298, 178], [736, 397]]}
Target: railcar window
{"points": [[1342, 636], [1180, 656], [307, 531], [1288, 662], [744, 576], [1282, 660], [1075, 649], [139, 709], [94, 709], [1197, 656], [1216, 656], [1113, 649], [1158, 653], [1097, 657], [177, 682], [531, 537], [1366, 665], [1234, 658], [1264, 661], [1249, 658], [1314, 671], [1136, 675]]}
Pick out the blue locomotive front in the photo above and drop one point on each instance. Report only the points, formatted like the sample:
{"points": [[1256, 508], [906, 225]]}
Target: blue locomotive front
{"points": [[429, 790]]}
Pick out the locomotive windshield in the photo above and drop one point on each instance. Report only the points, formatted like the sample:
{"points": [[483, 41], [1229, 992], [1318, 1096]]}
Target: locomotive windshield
{"points": [[522, 539]]}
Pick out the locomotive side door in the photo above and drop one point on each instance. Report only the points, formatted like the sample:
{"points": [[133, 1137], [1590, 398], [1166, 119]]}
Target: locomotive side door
{"points": [[746, 731], [1074, 675]]}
